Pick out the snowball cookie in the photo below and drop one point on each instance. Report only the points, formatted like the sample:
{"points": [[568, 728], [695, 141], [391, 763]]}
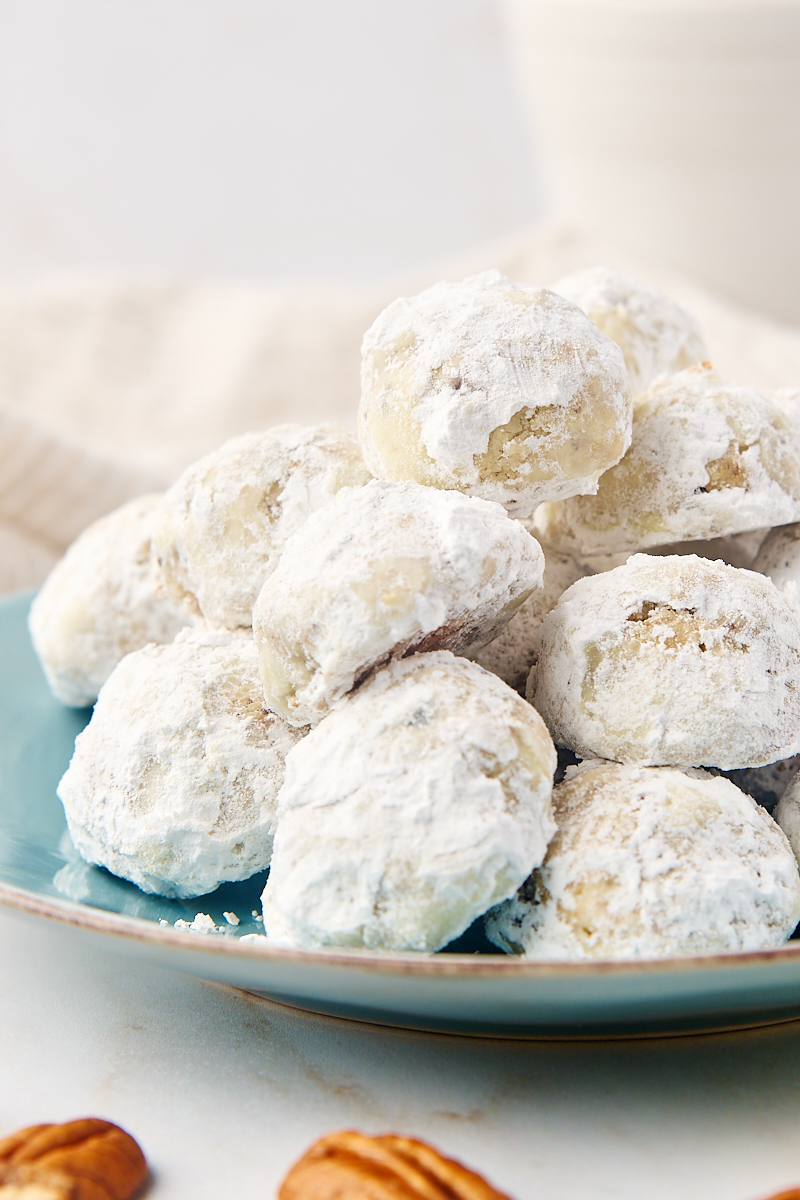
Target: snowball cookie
{"points": [[655, 334], [707, 459], [495, 389], [672, 661], [384, 571], [102, 600], [411, 810], [779, 555], [511, 653], [651, 861], [223, 524], [174, 781]]}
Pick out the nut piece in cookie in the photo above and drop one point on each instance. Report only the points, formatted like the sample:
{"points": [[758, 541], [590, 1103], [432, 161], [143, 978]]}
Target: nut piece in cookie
{"points": [[352, 1166], [79, 1160], [222, 525], [652, 861], [385, 570], [102, 600], [420, 803], [654, 333], [174, 781], [672, 661], [708, 459], [495, 389]]}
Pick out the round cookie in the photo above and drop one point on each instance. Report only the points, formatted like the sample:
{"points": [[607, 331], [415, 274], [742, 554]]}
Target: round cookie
{"points": [[223, 524], [410, 810], [649, 862], [708, 459], [384, 571], [655, 334], [672, 661], [174, 781], [510, 654], [495, 389], [102, 600]]}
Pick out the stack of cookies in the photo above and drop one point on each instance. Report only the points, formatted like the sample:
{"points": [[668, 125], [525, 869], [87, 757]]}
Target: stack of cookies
{"points": [[545, 536]]}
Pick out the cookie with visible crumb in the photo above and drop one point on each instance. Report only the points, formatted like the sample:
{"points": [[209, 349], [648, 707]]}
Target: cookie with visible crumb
{"points": [[708, 459], [672, 661], [650, 862], [495, 389]]}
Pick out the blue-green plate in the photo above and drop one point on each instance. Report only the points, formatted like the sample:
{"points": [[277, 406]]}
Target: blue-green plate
{"points": [[475, 993]]}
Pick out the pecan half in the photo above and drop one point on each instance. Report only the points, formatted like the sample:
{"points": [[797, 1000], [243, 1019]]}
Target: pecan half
{"points": [[351, 1166], [79, 1160]]}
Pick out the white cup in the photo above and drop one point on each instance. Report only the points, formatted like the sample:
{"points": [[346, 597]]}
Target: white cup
{"points": [[674, 127]]}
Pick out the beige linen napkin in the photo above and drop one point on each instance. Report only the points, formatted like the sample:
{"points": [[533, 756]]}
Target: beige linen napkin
{"points": [[109, 388]]}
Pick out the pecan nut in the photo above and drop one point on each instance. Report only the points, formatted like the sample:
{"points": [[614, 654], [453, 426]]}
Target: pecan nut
{"points": [[79, 1160], [351, 1166]]}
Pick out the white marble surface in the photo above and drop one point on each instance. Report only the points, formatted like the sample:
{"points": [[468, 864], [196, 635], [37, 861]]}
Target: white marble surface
{"points": [[224, 1091]]}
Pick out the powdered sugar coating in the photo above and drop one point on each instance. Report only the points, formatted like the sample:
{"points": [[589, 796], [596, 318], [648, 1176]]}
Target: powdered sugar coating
{"points": [[655, 334], [708, 459], [672, 661], [495, 389], [174, 781], [383, 571], [223, 524], [410, 810], [511, 653], [650, 862], [102, 600]]}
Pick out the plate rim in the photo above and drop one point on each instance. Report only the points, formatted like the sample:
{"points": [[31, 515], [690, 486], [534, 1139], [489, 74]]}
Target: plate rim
{"points": [[473, 966]]}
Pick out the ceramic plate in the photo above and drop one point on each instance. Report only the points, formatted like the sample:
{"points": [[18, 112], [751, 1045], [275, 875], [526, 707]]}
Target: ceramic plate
{"points": [[464, 990]]}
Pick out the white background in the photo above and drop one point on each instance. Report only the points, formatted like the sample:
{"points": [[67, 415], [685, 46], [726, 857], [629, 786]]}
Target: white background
{"points": [[271, 139]]}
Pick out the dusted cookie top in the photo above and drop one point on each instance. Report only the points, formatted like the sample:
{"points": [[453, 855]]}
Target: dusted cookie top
{"points": [[655, 334], [707, 459], [383, 571], [223, 523], [511, 653], [673, 660], [102, 600], [410, 810], [495, 389], [649, 862], [174, 781]]}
